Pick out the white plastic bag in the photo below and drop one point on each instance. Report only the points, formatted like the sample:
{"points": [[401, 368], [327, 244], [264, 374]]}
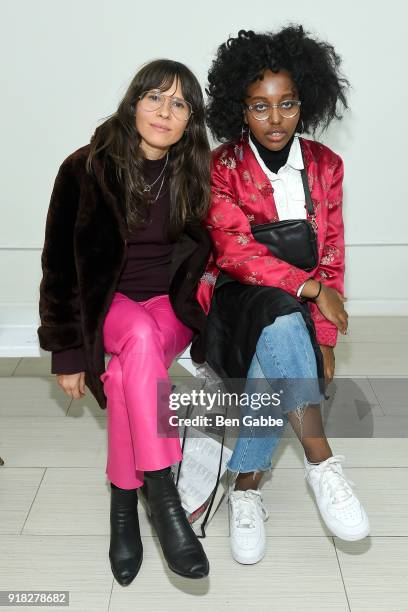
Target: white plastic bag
{"points": [[199, 469]]}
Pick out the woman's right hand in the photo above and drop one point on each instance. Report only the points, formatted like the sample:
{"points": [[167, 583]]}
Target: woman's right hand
{"points": [[330, 303], [72, 384]]}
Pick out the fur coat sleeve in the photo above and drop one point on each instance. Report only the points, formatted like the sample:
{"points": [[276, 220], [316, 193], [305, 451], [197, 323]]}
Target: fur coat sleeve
{"points": [[59, 304]]}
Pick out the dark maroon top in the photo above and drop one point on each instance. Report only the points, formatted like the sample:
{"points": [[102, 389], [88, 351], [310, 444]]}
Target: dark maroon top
{"points": [[146, 272], [147, 266]]}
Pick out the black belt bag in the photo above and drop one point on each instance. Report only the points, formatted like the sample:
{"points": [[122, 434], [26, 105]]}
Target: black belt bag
{"points": [[292, 240]]}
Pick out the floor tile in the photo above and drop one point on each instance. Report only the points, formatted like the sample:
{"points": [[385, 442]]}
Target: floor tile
{"points": [[62, 492], [86, 407], [374, 572], [392, 394], [18, 487], [352, 409], [8, 365], [53, 441], [31, 397], [34, 366], [296, 574], [79, 565], [371, 359], [376, 329]]}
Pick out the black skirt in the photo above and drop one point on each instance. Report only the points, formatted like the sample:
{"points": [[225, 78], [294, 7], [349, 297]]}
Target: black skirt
{"points": [[236, 319]]}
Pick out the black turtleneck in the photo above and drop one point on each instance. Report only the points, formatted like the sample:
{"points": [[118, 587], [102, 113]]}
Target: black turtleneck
{"points": [[273, 160]]}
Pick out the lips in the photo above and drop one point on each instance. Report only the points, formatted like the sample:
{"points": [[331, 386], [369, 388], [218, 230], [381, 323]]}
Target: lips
{"points": [[275, 135], [160, 128]]}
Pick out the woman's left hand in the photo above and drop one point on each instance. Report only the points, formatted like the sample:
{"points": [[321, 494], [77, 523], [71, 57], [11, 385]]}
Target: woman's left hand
{"points": [[328, 362]]}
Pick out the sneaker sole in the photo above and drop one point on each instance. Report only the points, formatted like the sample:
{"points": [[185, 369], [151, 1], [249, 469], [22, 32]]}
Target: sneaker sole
{"points": [[248, 560], [351, 538], [348, 538]]}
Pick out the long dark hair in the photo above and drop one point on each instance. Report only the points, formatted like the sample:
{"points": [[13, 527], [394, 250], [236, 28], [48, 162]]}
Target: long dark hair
{"points": [[189, 159]]}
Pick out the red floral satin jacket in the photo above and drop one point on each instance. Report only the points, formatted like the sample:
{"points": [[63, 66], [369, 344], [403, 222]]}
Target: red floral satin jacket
{"points": [[242, 196]]}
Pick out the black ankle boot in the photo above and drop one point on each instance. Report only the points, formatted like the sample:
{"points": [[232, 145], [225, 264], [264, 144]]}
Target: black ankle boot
{"points": [[126, 550], [181, 547]]}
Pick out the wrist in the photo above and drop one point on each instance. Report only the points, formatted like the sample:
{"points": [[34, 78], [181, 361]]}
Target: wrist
{"points": [[318, 294], [311, 289]]}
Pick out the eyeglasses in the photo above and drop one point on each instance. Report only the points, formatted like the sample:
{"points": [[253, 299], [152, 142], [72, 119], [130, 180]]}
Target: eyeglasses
{"points": [[151, 101], [262, 110]]}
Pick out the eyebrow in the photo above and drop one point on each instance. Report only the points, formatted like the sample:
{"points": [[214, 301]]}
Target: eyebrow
{"points": [[169, 95], [285, 95]]}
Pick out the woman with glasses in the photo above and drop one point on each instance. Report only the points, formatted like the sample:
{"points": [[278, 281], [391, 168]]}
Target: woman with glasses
{"points": [[274, 320], [124, 250]]}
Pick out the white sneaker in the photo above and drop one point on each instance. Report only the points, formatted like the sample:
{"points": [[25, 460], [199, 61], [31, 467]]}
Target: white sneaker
{"points": [[340, 509], [247, 530]]}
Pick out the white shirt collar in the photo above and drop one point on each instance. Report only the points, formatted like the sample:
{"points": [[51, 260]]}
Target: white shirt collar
{"points": [[295, 159]]}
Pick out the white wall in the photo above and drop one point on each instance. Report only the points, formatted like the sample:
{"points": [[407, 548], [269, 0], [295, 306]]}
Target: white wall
{"points": [[65, 65]]}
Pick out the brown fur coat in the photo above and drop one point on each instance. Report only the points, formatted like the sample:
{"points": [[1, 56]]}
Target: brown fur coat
{"points": [[83, 255]]}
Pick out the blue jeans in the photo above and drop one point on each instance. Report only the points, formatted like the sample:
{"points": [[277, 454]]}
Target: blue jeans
{"points": [[283, 352]]}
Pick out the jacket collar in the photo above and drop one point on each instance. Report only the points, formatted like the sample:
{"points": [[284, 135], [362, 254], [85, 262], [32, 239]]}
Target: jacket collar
{"points": [[294, 159]]}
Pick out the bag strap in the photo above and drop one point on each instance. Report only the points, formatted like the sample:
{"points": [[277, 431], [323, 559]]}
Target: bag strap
{"points": [[210, 505], [308, 197], [217, 482]]}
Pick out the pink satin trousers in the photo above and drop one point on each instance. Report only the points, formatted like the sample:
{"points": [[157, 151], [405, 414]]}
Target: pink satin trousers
{"points": [[142, 338]]}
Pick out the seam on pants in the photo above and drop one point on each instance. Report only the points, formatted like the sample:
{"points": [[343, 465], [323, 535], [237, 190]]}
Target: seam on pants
{"points": [[242, 458]]}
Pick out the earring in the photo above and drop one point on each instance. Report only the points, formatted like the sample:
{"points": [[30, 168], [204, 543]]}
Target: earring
{"points": [[241, 145]]}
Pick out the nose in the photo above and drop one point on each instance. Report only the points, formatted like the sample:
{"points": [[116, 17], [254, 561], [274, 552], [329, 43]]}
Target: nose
{"points": [[274, 116], [165, 109]]}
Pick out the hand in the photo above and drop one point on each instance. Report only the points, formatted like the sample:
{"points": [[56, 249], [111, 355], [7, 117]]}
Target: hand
{"points": [[328, 362], [72, 384], [331, 304]]}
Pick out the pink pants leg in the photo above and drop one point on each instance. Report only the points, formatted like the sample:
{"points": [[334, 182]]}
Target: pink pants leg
{"points": [[143, 338]]}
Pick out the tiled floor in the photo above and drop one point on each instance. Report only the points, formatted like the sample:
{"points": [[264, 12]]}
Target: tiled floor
{"points": [[54, 531]]}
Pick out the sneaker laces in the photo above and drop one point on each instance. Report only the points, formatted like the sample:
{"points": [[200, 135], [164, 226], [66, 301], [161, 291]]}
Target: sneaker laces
{"points": [[333, 479], [245, 513]]}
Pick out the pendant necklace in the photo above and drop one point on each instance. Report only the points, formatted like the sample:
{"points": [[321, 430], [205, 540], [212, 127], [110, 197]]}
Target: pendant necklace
{"points": [[159, 192], [148, 187]]}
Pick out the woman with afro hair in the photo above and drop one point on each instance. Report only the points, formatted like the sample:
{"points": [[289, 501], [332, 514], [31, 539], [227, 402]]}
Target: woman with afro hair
{"points": [[270, 319]]}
